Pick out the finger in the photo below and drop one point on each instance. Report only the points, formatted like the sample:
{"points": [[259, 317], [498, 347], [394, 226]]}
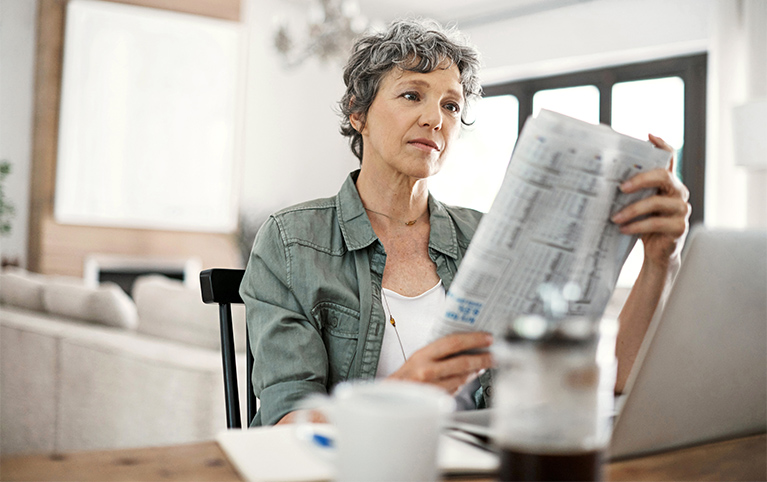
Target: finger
{"points": [[653, 205], [666, 183], [649, 179], [660, 143], [672, 226], [453, 384], [465, 364], [460, 365], [456, 343]]}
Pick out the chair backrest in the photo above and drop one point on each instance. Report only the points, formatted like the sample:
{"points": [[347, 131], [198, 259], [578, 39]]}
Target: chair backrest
{"points": [[222, 287]]}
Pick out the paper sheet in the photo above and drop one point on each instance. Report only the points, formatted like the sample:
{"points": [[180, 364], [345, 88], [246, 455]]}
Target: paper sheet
{"points": [[550, 223], [276, 454]]}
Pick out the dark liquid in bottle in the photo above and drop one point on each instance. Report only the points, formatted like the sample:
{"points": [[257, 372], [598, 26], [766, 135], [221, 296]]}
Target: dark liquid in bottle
{"points": [[521, 466]]}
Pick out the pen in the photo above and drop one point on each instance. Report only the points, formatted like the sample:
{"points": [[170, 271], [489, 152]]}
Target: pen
{"points": [[323, 441], [469, 438]]}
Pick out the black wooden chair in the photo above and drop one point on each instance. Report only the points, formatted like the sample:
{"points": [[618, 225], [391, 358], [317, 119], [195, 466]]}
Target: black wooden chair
{"points": [[222, 286]]}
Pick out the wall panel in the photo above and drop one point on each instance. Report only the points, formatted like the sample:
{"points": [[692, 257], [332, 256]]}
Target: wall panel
{"points": [[61, 249]]}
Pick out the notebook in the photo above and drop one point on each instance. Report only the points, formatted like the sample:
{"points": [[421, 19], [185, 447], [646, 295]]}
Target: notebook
{"points": [[277, 454]]}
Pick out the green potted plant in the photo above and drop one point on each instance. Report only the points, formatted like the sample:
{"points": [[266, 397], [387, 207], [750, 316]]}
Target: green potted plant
{"points": [[7, 209]]}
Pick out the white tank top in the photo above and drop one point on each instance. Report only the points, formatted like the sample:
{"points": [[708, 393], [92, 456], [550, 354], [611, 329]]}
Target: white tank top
{"points": [[414, 316]]}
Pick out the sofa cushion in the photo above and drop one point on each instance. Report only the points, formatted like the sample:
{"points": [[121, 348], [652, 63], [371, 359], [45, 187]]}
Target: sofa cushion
{"points": [[21, 289], [170, 309], [106, 304]]}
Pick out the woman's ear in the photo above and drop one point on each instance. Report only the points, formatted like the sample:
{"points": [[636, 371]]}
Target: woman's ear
{"points": [[356, 121]]}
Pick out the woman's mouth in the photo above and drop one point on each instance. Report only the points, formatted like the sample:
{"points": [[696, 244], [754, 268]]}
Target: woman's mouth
{"points": [[425, 144]]}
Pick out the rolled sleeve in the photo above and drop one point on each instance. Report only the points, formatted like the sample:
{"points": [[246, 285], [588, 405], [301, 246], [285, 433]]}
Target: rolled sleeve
{"points": [[280, 399], [290, 359]]}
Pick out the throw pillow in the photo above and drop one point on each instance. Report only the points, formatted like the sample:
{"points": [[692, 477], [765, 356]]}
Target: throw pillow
{"points": [[171, 310], [110, 305], [21, 289], [106, 304]]}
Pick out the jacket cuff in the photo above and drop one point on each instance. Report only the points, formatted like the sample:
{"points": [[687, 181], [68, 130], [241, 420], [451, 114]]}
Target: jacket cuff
{"points": [[278, 400]]}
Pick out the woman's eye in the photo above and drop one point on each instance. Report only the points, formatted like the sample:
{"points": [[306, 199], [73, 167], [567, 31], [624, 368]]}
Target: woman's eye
{"points": [[454, 108], [410, 96]]}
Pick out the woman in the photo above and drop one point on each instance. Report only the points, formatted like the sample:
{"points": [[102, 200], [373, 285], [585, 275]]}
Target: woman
{"points": [[337, 288]]}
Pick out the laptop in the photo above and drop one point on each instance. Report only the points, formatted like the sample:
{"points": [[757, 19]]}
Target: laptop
{"points": [[701, 372]]}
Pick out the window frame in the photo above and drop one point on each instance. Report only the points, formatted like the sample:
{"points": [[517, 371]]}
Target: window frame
{"points": [[692, 69]]}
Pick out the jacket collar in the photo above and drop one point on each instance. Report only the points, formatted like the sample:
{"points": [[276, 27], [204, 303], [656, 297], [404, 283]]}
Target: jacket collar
{"points": [[358, 232]]}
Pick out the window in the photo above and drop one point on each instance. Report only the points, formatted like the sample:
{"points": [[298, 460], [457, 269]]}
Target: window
{"points": [[149, 119], [663, 97], [654, 105], [474, 170], [581, 102]]}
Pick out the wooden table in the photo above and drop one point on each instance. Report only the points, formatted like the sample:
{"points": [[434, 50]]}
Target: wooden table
{"points": [[738, 459]]}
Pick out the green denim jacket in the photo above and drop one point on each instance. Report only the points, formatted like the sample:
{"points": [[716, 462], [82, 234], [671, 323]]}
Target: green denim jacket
{"points": [[312, 295]]}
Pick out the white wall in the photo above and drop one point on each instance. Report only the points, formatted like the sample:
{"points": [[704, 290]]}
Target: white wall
{"points": [[293, 150], [292, 147], [737, 73], [591, 34], [605, 32], [17, 49]]}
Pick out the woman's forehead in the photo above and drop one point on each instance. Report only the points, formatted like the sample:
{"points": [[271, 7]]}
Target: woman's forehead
{"points": [[444, 74]]}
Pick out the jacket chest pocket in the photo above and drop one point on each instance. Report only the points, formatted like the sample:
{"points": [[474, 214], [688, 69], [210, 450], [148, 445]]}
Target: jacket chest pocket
{"points": [[340, 331]]}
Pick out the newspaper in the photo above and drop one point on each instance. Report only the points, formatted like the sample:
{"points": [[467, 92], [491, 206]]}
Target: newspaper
{"points": [[550, 224]]}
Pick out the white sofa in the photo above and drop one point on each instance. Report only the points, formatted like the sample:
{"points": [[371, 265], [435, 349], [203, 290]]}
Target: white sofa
{"points": [[85, 368]]}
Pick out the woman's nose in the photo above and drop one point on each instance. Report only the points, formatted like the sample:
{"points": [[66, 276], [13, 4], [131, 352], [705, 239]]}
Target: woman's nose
{"points": [[431, 117]]}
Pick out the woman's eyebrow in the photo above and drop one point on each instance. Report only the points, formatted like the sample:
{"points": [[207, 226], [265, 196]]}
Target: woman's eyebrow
{"points": [[425, 84]]}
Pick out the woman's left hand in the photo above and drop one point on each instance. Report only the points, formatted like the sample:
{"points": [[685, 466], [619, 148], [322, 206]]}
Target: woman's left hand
{"points": [[668, 212]]}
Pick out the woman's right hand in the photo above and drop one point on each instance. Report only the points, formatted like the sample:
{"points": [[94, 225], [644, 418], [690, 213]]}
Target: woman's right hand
{"points": [[443, 362]]}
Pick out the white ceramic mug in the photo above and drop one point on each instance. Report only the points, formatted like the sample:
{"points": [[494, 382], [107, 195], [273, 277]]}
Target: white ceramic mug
{"points": [[385, 430]]}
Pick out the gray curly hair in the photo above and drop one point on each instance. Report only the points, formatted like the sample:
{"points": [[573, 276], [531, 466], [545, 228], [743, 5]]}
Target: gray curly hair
{"points": [[414, 45]]}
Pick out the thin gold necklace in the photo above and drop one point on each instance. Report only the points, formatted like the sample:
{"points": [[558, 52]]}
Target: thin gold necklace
{"points": [[406, 223], [394, 323]]}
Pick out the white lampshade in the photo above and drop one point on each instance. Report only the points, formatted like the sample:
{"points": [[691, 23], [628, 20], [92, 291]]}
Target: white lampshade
{"points": [[749, 124]]}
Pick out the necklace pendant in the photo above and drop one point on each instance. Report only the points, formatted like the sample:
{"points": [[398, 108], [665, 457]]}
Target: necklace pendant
{"points": [[410, 223]]}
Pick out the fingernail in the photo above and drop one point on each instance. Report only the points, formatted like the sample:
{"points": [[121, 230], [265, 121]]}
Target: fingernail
{"points": [[618, 218], [626, 186]]}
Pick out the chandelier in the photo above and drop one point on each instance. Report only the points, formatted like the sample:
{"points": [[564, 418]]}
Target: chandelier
{"points": [[327, 33]]}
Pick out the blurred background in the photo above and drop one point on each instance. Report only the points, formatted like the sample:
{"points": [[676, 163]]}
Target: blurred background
{"points": [[166, 129], [146, 137]]}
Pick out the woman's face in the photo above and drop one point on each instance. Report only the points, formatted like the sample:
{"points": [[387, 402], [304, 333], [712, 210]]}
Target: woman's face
{"points": [[412, 121]]}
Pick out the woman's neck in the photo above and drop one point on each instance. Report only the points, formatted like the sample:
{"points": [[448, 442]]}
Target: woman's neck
{"points": [[394, 195], [392, 203]]}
